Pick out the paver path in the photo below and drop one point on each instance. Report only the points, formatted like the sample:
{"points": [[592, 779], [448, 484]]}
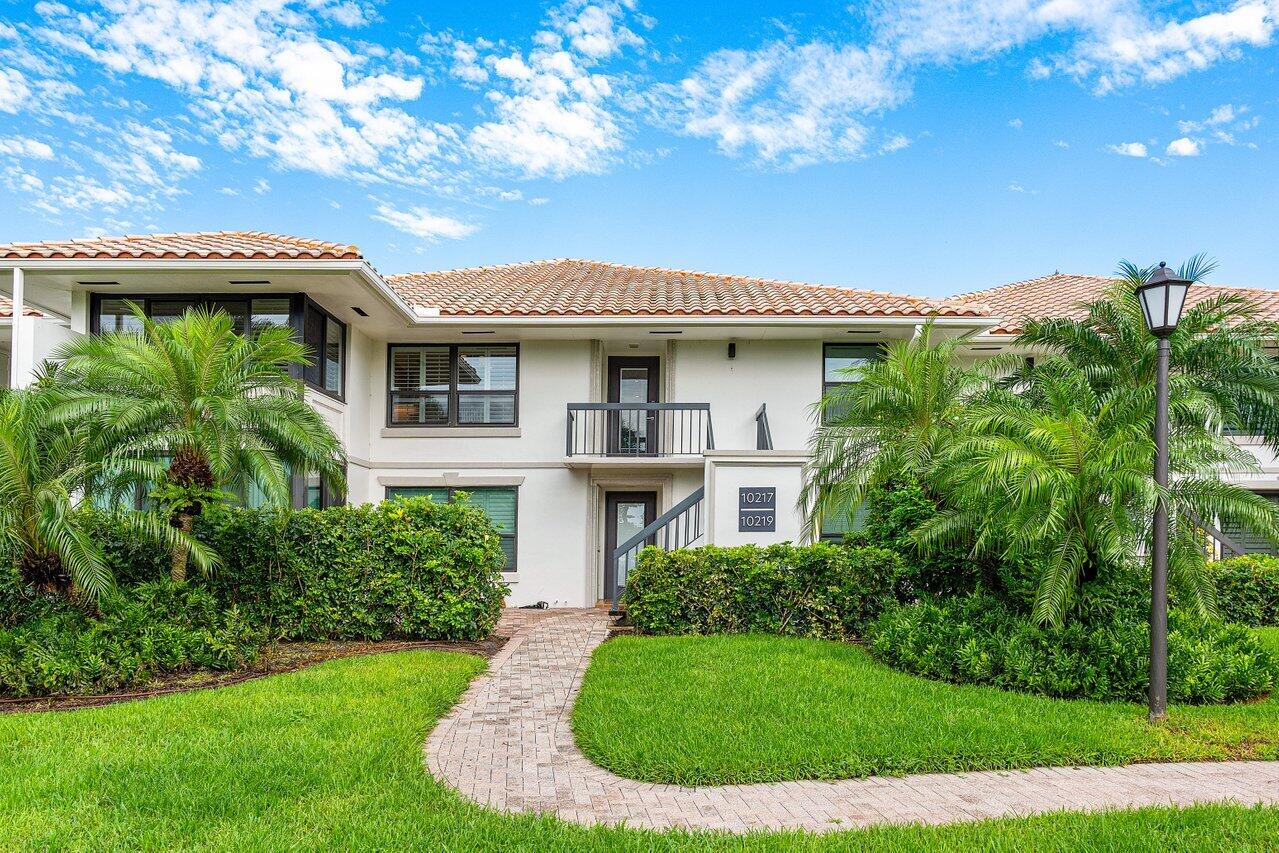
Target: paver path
{"points": [[508, 745]]}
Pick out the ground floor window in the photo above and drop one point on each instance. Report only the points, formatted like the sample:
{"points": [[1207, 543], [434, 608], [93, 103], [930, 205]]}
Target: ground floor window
{"points": [[1252, 543], [500, 504], [839, 523]]}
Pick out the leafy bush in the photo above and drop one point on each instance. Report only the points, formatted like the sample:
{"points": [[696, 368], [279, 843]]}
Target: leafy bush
{"points": [[142, 631], [1103, 654], [1247, 589], [408, 568], [892, 513], [822, 590]]}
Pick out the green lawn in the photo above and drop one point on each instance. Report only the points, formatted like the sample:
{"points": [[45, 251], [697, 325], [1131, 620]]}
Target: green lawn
{"points": [[331, 758], [715, 710]]}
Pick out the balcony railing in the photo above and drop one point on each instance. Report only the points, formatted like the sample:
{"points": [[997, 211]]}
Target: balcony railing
{"points": [[638, 429], [678, 527]]}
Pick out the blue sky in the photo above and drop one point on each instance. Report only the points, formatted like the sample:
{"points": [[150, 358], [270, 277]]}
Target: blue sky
{"points": [[913, 145]]}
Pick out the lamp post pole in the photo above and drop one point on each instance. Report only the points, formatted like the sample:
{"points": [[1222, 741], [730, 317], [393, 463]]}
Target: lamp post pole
{"points": [[1159, 562], [1162, 297]]}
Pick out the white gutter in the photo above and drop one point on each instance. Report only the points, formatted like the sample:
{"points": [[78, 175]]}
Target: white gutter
{"points": [[675, 321], [420, 315], [359, 267]]}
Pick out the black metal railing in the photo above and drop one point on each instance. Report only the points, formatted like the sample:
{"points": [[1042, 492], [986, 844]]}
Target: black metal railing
{"points": [[763, 435], [678, 527], [638, 429], [1229, 547]]}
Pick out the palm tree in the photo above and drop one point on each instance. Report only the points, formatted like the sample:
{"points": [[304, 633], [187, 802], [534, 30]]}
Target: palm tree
{"points": [[220, 407], [1059, 473], [46, 471], [1222, 374], [892, 422]]}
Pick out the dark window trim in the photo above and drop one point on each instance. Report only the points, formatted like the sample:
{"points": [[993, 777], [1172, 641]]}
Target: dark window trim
{"points": [[298, 304], [512, 566], [453, 392], [826, 345], [309, 304]]}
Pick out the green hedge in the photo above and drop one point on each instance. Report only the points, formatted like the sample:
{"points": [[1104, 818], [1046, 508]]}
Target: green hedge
{"points": [[142, 631], [892, 514], [822, 590], [975, 640], [407, 568], [1247, 589]]}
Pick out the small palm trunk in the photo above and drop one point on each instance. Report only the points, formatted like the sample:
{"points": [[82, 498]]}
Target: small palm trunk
{"points": [[178, 565]]}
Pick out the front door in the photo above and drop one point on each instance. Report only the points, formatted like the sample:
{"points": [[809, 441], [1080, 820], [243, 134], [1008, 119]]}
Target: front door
{"points": [[632, 381], [625, 515]]}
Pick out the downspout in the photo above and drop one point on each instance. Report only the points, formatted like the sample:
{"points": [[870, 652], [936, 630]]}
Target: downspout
{"points": [[19, 377]]}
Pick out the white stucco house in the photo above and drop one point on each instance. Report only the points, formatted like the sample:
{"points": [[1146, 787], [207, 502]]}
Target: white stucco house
{"points": [[581, 404]]}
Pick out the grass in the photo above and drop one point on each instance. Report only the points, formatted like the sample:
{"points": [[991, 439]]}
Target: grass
{"points": [[718, 710], [331, 758]]}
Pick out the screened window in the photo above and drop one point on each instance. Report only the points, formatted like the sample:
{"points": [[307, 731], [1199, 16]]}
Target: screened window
{"points": [[499, 503], [1252, 543], [838, 524], [325, 340], [324, 335], [458, 385], [840, 361], [114, 316]]}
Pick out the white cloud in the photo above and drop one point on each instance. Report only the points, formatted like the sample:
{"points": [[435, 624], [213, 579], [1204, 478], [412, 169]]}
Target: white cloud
{"points": [[260, 79], [1129, 149], [746, 102], [261, 186], [21, 146], [554, 110], [1061, 143], [15, 91], [423, 224], [1018, 188], [1015, 123], [1183, 147], [788, 105]]}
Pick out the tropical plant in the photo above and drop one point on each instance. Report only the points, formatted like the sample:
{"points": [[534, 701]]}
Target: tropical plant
{"points": [[221, 408], [1058, 472], [891, 422], [46, 470], [1221, 372]]}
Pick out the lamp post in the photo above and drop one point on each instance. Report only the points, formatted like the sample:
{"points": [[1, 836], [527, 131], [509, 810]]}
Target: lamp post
{"points": [[1162, 298]]}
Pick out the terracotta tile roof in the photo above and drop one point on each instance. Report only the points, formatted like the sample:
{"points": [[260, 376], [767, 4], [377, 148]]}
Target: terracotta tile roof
{"points": [[6, 309], [200, 245], [1061, 295], [576, 288]]}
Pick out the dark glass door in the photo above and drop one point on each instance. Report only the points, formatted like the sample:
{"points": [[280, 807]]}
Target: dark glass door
{"points": [[625, 515], [632, 381]]}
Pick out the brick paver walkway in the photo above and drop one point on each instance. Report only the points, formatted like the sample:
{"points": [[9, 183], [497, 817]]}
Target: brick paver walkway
{"points": [[508, 745]]}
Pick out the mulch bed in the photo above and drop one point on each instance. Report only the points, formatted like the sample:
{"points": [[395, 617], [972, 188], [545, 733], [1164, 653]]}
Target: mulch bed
{"points": [[276, 659]]}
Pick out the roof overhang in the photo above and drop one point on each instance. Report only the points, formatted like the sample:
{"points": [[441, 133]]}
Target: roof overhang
{"points": [[50, 283]]}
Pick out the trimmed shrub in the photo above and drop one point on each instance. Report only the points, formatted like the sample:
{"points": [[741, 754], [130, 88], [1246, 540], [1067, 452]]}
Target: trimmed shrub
{"points": [[142, 632], [974, 639], [822, 590], [891, 514], [1247, 589], [408, 568]]}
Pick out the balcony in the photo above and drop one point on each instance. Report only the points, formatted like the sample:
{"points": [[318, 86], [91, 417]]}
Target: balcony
{"points": [[638, 432]]}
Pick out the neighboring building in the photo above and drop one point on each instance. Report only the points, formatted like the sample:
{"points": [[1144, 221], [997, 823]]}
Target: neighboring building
{"points": [[576, 401]]}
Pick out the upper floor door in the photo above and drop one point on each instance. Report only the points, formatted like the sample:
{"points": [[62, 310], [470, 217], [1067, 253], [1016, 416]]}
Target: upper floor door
{"points": [[632, 383]]}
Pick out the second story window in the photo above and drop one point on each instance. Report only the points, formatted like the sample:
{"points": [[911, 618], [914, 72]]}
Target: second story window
{"points": [[324, 336], [839, 363], [453, 385], [325, 339]]}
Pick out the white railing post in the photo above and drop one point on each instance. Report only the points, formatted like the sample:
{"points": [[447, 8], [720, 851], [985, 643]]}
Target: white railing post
{"points": [[20, 344]]}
